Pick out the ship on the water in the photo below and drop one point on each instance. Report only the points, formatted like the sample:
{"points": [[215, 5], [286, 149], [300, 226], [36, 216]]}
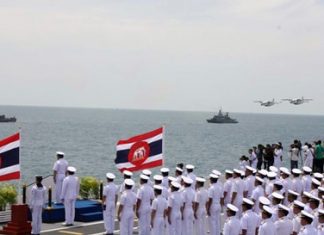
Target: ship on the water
{"points": [[3, 118], [222, 118]]}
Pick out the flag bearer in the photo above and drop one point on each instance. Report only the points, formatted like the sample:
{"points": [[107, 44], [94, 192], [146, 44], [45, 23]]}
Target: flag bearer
{"points": [[109, 200], [59, 173], [159, 207], [188, 195], [175, 208], [231, 226], [37, 202], [126, 208], [145, 196], [70, 192], [200, 213]]}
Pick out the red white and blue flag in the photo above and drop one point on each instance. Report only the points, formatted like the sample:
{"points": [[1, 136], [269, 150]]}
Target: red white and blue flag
{"points": [[9, 158], [140, 152]]}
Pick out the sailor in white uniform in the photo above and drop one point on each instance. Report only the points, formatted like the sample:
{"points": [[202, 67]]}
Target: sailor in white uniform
{"points": [[307, 179], [231, 225], [297, 184], [314, 187], [200, 213], [127, 175], [190, 168], [257, 192], [249, 222], [228, 186], [270, 184], [158, 180], [175, 207], [277, 199], [320, 226], [159, 209], [292, 196], [126, 209], [248, 182], [267, 226], [59, 173], [313, 205], [145, 196], [165, 173], [188, 195], [306, 220], [298, 208], [283, 225], [237, 190], [148, 173], [178, 174], [109, 201], [70, 192], [36, 204]]}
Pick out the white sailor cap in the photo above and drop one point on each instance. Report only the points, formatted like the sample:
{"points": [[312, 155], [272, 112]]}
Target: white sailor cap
{"points": [[259, 179], [248, 201], [277, 195], [299, 204], [144, 177], [147, 172], [165, 170], [273, 169], [190, 167], [263, 172], [307, 194], [250, 168], [278, 182], [232, 207], [213, 176], [171, 178], [316, 182], [271, 174], [129, 182], [268, 209], [313, 198], [175, 184], [71, 169], [293, 193], [306, 214], [59, 153], [216, 172], [321, 211], [200, 179], [307, 169], [187, 180], [264, 201], [237, 171], [158, 187], [110, 176], [283, 207], [229, 172], [296, 171], [320, 189], [128, 173], [318, 175], [158, 177], [179, 169], [284, 170]]}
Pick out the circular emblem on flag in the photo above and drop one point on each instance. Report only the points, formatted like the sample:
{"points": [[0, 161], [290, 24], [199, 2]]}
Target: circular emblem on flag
{"points": [[138, 153]]}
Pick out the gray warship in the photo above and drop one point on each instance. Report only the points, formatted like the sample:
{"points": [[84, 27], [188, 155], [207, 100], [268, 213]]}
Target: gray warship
{"points": [[221, 118], [3, 118]]}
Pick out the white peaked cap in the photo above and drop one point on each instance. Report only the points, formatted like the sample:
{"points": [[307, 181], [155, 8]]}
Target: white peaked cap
{"points": [[232, 207], [216, 172], [200, 179], [147, 172], [268, 209], [158, 187], [259, 179], [59, 153], [273, 169], [213, 176], [283, 207], [278, 182], [263, 172], [308, 194], [318, 175], [299, 203], [187, 180], [264, 201], [110, 176], [320, 189], [321, 211], [307, 169], [296, 171], [236, 171], [179, 169], [293, 193], [175, 184], [158, 177], [144, 177], [129, 182], [250, 168], [277, 195], [271, 174], [165, 170], [190, 167], [315, 181], [128, 173], [284, 170], [229, 172], [248, 201], [306, 214], [71, 169], [171, 178]]}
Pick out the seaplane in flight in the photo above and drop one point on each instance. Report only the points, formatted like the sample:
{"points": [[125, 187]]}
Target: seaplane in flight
{"points": [[267, 103], [297, 101]]}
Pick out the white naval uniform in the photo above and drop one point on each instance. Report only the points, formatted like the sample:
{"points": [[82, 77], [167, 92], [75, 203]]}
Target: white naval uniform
{"points": [[228, 188], [283, 226], [165, 182], [320, 229], [231, 226], [215, 193], [249, 222], [277, 158], [297, 185], [175, 202], [269, 187], [70, 192], [307, 183], [146, 195], [256, 194], [201, 198], [238, 188], [37, 202], [249, 185], [128, 201], [296, 224], [60, 166], [307, 230], [110, 191], [267, 228], [159, 204], [188, 196], [192, 176]]}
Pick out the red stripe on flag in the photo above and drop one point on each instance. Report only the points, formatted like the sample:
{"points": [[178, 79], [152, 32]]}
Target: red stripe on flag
{"points": [[144, 166], [142, 137], [9, 139], [10, 176]]}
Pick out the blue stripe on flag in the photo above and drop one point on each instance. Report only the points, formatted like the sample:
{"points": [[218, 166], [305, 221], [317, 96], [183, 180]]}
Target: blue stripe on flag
{"points": [[9, 158]]}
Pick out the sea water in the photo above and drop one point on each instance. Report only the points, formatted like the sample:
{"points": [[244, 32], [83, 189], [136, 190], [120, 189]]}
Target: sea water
{"points": [[89, 136]]}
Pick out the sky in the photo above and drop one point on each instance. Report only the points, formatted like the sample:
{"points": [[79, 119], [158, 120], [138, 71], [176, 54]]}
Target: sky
{"points": [[195, 55]]}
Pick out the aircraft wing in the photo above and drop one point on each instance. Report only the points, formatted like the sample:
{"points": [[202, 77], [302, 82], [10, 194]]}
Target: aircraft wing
{"points": [[258, 101], [286, 99]]}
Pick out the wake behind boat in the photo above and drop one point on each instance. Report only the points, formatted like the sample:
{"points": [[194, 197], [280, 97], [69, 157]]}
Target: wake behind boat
{"points": [[221, 118]]}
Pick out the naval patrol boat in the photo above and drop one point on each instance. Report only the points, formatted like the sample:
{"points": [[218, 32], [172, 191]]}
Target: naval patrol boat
{"points": [[221, 118], [3, 118]]}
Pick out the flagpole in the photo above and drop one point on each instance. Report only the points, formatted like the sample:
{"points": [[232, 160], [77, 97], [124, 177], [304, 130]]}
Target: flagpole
{"points": [[163, 143], [19, 182]]}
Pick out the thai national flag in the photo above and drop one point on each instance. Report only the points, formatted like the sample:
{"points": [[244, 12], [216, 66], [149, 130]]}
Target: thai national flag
{"points": [[9, 158], [140, 152]]}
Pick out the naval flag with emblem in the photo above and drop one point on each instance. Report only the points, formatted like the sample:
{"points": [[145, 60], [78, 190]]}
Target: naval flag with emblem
{"points": [[9, 158], [140, 152]]}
